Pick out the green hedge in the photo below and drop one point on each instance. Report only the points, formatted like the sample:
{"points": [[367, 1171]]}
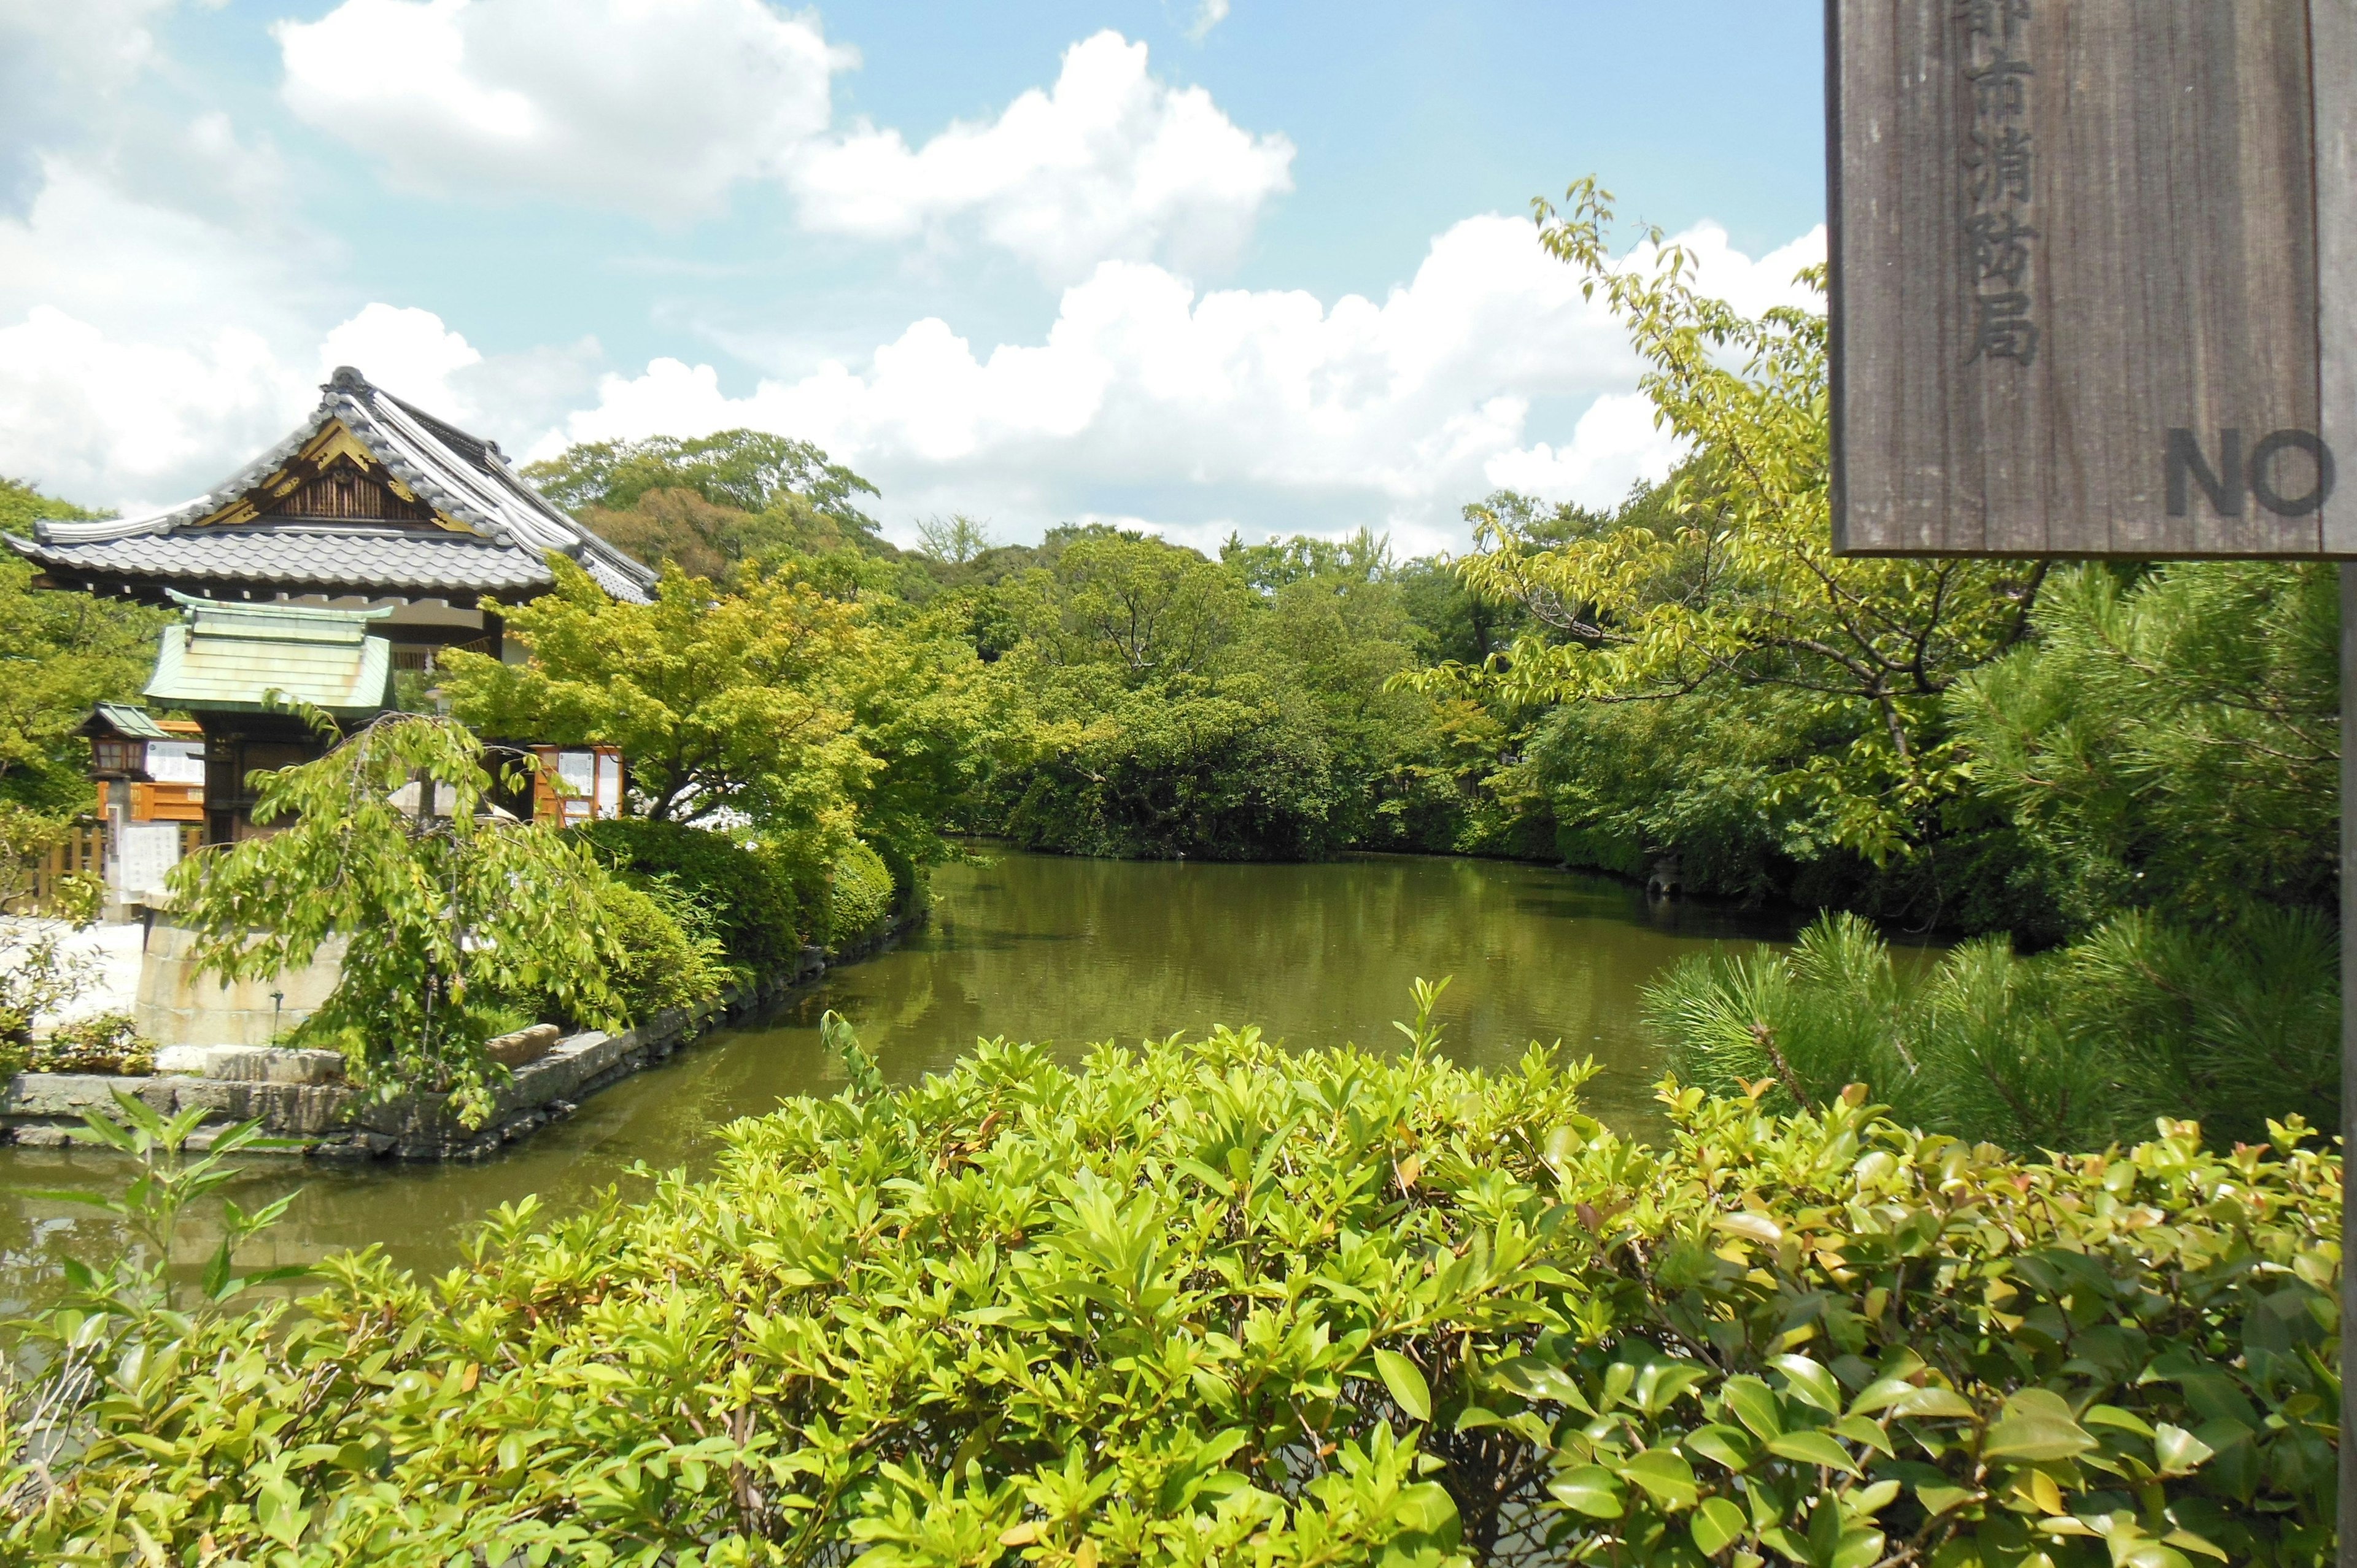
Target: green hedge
{"points": [[1214, 1304], [859, 899], [765, 907]]}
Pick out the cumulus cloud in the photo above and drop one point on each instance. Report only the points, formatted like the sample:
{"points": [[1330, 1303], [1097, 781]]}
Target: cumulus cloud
{"points": [[99, 418], [408, 352], [1111, 163], [655, 107], [1391, 414]]}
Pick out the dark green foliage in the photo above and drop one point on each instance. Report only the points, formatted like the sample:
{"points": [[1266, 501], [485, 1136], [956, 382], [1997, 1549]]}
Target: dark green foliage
{"points": [[2172, 739], [63, 652], [1213, 770], [1220, 1304], [859, 897], [762, 909], [2143, 1019]]}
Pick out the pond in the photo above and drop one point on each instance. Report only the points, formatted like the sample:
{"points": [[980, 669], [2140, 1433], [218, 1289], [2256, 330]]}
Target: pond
{"points": [[1047, 949]]}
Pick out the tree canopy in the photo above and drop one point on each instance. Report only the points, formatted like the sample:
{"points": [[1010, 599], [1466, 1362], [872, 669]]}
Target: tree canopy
{"points": [[62, 653]]}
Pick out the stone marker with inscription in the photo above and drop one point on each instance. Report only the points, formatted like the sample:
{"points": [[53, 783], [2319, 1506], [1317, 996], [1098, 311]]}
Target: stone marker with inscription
{"points": [[2094, 275]]}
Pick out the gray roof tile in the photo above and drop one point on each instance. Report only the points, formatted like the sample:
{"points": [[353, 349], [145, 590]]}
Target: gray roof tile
{"points": [[460, 475], [287, 557]]}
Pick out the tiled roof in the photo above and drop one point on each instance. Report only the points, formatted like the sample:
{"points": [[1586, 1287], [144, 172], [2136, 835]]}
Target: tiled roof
{"points": [[123, 719], [234, 656], [461, 477], [298, 557]]}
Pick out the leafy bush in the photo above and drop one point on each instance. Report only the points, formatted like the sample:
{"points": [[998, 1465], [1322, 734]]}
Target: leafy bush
{"points": [[1220, 771], [668, 957], [2232, 1025], [1215, 1304], [860, 896], [103, 1042], [761, 910]]}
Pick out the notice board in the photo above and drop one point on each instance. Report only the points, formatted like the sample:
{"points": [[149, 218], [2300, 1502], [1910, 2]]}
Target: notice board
{"points": [[2095, 277]]}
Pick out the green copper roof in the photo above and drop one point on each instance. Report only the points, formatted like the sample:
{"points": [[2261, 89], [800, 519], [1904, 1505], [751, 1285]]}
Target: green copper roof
{"points": [[234, 657], [121, 718]]}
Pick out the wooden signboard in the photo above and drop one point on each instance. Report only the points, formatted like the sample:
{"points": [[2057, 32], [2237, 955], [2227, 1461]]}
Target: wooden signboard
{"points": [[2094, 275]]}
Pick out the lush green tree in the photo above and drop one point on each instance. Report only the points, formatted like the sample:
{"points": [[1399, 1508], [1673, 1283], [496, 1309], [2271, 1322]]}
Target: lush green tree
{"points": [[954, 540], [749, 470], [62, 653], [1732, 584], [721, 700], [709, 503], [1149, 608], [1215, 769], [448, 907]]}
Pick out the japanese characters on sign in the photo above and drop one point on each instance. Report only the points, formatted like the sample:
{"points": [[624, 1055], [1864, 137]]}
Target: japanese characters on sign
{"points": [[1994, 58], [2094, 276]]}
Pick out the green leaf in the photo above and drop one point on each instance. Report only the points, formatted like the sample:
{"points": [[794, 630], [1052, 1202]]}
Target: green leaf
{"points": [[1810, 1383], [1755, 1405], [2177, 1451], [1406, 1382], [1933, 1402], [1725, 1446], [1590, 1490], [1858, 1548], [1812, 1448], [1427, 1508], [1666, 1477], [1717, 1524], [2037, 1428]]}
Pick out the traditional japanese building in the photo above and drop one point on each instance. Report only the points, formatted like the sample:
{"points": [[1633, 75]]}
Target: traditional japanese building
{"points": [[362, 546], [371, 504]]}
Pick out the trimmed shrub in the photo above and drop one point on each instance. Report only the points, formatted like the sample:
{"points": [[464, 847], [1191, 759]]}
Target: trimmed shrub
{"points": [[102, 1043], [860, 896], [762, 916], [1211, 1303]]}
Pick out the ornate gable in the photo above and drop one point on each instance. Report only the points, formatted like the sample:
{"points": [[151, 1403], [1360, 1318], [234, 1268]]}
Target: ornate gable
{"points": [[334, 477]]}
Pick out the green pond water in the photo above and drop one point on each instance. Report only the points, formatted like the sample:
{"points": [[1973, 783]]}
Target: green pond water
{"points": [[1033, 946]]}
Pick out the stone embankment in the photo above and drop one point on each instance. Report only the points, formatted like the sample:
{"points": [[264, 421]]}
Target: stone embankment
{"points": [[302, 1097]]}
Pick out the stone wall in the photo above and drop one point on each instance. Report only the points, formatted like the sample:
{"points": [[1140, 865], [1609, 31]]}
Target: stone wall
{"points": [[175, 1008], [301, 1096]]}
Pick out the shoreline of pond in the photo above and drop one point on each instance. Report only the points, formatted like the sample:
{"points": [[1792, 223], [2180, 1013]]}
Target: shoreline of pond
{"points": [[1062, 950], [329, 1119]]}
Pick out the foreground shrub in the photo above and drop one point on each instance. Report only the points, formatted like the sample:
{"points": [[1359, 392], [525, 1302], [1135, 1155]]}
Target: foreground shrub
{"points": [[1215, 1304]]}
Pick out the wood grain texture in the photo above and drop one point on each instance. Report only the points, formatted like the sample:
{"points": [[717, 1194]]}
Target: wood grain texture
{"points": [[2171, 277], [2332, 35]]}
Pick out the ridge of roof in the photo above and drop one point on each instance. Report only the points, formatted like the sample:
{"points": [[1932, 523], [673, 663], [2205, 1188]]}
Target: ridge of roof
{"points": [[461, 475]]}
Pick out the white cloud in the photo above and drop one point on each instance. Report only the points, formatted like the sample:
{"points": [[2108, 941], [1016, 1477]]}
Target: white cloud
{"points": [[102, 420], [1111, 163], [408, 352], [1391, 414], [1615, 444], [1209, 14], [650, 106]]}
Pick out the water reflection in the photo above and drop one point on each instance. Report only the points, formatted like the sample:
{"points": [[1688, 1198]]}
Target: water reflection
{"points": [[1041, 948]]}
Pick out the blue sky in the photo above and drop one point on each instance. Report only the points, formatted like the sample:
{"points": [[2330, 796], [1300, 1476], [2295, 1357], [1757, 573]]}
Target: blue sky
{"points": [[1265, 269]]}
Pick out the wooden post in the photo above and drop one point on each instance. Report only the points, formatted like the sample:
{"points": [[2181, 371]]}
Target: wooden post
{"points": [[2346, 1512]]}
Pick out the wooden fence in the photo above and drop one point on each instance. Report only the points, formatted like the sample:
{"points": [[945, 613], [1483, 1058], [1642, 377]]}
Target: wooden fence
{"points": [[81, 851]]}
